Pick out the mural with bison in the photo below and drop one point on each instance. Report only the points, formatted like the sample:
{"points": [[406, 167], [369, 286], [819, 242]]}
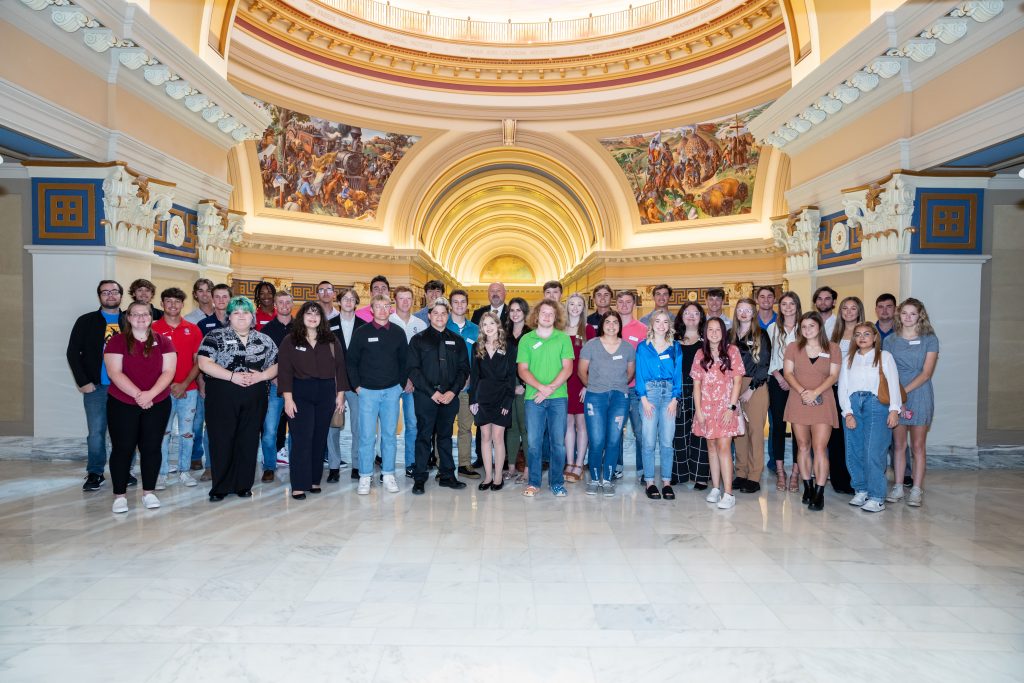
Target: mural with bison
{"points": [[312, 165], [693, 171]]}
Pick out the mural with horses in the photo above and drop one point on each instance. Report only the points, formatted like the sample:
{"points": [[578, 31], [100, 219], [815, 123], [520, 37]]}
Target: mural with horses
{"points": [[322, 167], [693, 171]]}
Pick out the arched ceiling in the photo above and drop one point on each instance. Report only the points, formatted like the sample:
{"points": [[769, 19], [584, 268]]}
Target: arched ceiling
{"points": [[500, 202]]}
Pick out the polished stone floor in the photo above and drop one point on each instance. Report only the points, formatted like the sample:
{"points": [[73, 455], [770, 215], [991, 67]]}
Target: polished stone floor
{"points": [[472, 586]]}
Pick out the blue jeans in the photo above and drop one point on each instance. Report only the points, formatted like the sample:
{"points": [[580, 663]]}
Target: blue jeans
{"points": [[198, 444], [658, 430], [377, 404], [550, 416], [268, 443], [605, 413], [867, 446], [409, 434], [635, 425], [96, 422], [184, 409]]}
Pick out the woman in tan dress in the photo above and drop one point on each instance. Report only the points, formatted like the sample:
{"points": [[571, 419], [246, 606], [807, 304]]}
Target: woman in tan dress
{"points": [[811, 367]]}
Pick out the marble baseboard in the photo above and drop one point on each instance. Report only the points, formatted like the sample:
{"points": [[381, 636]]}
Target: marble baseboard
{"points": [[939, 457]]}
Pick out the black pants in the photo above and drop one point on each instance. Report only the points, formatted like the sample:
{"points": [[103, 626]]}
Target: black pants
{"points": [[777, 397], [132, 427], [314, 405], [434, 420], [234, 416], [838, 475]]}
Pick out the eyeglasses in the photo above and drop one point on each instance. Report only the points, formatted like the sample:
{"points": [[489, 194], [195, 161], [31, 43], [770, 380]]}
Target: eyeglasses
{"points": [[863, 335], [139, 316], [109, 292], [324, 290]]}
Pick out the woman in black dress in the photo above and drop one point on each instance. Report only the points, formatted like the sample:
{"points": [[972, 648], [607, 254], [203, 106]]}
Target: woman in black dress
{"points": [[691, 451], [515, 436], [492, 389]]}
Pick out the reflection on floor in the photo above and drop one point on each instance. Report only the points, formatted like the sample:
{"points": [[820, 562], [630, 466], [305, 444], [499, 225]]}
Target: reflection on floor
{"points": [[470, 585]]}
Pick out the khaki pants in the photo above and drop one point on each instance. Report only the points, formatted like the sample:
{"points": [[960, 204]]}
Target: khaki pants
{"points": [[750, 446], [465, 431]]}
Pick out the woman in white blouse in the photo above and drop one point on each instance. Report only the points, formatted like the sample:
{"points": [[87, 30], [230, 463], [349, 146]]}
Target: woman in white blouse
{"points": [[867, 376]]}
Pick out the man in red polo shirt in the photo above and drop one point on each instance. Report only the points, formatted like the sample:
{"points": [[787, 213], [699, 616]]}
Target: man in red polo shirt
{"points": [[186, 338]]}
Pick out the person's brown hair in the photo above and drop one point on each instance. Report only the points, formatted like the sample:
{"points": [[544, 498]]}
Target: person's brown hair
{"points": [[531, 319], [877, 343], [801, 340], [126, 330]]}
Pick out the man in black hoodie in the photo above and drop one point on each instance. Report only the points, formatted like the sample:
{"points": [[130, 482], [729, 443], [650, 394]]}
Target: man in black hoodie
{"points": [[438, 367], [85, 358]]}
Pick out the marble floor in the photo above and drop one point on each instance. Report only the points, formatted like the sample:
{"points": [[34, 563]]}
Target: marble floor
{"points": [[471, 586]]}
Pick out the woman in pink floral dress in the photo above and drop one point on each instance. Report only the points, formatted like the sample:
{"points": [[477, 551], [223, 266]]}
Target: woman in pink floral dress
{"points": [[717, 374]]}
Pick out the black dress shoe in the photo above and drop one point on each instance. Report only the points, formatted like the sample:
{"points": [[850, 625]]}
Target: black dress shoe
{"points": [[244, 494], [483, 486], [700, 487], [497, 487], [653, 493], [132, 481], [738, 483], [667, 493], [417, 488], [355, 473], [333, 477], [268, 476], [808, 491], [751, 487], [216, 497], [452, 483], [298, 496], [316, 490], [818, 502], [467, 472]]}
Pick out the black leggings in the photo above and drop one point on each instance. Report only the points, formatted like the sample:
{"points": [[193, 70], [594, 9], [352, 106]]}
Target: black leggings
{"points": [[132, 427]]}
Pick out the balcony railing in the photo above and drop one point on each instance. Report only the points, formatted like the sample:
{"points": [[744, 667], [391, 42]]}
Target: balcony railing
{"points": [[514, 32]]}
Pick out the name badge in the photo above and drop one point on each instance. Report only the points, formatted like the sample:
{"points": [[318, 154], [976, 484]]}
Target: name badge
{"points": [[335, 328], [211, 324], [186, 331], [501, 352], [450, 343], [372, 339], [915, 342], [300, 348], [619, 357], [665, 356], [537, 345], [634, 339], [231, 342], [824, 355], [471, 341]]}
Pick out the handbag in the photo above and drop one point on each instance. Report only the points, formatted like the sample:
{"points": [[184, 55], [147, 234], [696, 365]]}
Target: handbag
{"points": [[883, 388], [741, 422], [338, 418]]}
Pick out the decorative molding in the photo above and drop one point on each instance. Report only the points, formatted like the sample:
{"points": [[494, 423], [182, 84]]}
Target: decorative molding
{"points": [[98, 36], [132, 205], [217, 229], [798, 234], [776, 129]]}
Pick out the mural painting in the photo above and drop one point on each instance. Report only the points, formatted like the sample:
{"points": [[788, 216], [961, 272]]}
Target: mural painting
{"points": [[312, 165], [693, 171], [507, 268]]}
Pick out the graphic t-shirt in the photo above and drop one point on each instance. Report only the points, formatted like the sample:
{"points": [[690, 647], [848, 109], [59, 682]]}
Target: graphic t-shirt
{"points": [[113, 327]]}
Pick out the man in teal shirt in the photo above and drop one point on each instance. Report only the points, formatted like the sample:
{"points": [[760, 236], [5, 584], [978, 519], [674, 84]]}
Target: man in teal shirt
{"points": [[460, 325], [545, 362]]}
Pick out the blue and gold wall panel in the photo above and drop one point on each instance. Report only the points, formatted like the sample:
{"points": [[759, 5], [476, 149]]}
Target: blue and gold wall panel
{"points": [[67, 211], [189, 249], [828, 258], [948, 221]]}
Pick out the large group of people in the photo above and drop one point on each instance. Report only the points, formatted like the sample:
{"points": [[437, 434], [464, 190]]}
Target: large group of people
{"points": [[549, 388]]}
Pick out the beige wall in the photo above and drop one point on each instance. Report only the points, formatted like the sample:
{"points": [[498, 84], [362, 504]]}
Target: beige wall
{"points": [[15, 334]]}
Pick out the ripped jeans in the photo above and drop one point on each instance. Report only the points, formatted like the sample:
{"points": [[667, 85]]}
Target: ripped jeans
{"points": [[184, 409], [605, 415]]}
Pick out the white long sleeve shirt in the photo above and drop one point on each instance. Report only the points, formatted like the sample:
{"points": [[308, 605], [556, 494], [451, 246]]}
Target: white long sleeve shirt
{"points": [[779, 350], [863, 376]]}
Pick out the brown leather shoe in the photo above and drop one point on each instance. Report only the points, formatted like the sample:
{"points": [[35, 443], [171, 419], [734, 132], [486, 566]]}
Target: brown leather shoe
{"points": [[268, 476], [206, 476], [197, 465]]}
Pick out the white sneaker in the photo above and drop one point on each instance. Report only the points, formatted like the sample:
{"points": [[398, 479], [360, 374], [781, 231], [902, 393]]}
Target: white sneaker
{"points": [[282, 456], [859, 499], [120, 504], [161, 484], [728, 501], [714, 495], [390, 485], [186, 479], [172, 469], [873, 506], [896, 495], [914, 499], [364, 485], [151, 501]]}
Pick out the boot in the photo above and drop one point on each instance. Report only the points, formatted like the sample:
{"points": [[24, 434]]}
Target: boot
{"points": [[808, 491], [819, 499]]}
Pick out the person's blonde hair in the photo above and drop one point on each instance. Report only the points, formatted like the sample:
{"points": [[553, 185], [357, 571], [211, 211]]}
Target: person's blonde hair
{"points": [[531, 320], [481, 340], [924, 323], [669, 334], [581, 323]]}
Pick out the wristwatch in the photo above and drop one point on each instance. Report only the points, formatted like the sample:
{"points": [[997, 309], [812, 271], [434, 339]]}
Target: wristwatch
{"points": [[732, 407]]}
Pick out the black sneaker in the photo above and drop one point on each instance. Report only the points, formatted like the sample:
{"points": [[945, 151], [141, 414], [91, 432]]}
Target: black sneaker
{"points": [[93, 482], [467, 472], [355, 473], [417, 488], [409, 472], [452, 483], [132, 481], [333, 477], [378, 461]]}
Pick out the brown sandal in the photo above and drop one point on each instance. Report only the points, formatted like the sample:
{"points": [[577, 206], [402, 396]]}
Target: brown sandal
{"points": [[780, 482], [794, 479]]}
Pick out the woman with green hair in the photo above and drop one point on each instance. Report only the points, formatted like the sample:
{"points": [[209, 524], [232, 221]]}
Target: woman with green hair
{"points": [[238, 362]]}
